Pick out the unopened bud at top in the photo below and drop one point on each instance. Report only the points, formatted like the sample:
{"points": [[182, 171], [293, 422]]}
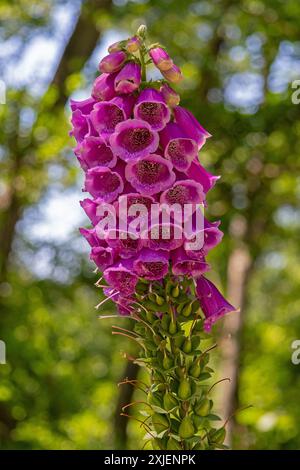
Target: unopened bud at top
{"points": [[142, 31], [112, 62]]}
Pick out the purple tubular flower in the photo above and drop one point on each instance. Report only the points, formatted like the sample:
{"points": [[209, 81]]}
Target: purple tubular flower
{"points": [[198, 173], [212, 236], [163, 236], [103, 184], [121, 277], [112, 62], [133, 139], [102, 257], [191, 126], [212, 302], [90, 208], [84, 106], [183, 192], [128, 79], [173, 74], [133, 199], [80, 125], [184, 265], [150, 174], [169, 95], [107, 114], [125, 244], [151, 107], [103, 87], [178, 147], [93, 151], [161, 58], [151, 265], [91, 237]]}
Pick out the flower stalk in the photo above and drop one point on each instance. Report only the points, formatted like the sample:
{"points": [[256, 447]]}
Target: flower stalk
{"points": [[137, 145]]}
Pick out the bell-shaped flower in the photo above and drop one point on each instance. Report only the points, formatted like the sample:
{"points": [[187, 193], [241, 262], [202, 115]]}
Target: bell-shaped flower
{"points": [[133, 139], [112, 62], [93, 151], [213, 304], [128, 79], [150, 174], [151, 107], [190, 125], [107, 114], [121, 277], [178, 147], [151, 265], [103, 184], [184, 265]]}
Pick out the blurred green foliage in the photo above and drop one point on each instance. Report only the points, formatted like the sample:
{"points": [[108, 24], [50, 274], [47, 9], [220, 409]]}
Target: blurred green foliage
{"points": [[58, 388]]}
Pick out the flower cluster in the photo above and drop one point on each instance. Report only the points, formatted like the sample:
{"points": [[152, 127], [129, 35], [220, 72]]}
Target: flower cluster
{"points": [[135, 141]]}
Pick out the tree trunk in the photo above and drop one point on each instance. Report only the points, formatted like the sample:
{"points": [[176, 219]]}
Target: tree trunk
{"points": [[239, 267]]}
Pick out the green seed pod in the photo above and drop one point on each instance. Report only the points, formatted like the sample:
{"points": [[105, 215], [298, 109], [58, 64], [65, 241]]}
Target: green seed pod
{"points": [[172, 444], [187, 346], [195, 342], [153, 399], [187, 310], [159, 422], [180, 307], [219, 435], [195, 306], [150, 317], [169, 287], [165, 322], [175, 291], [186, 428], [169, 401], [167, 362], [172, 328], [180, 372], [203, 407], [195, 370], [179, 340], [184, 389]]}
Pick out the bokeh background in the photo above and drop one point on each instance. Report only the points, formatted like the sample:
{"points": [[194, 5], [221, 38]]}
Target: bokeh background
{"points": [[58, 388]]}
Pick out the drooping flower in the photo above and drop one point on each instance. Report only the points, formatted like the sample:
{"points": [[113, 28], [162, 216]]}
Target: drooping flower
{"points": [[150, 174], [161, 58], [103, 184], [133, 139], [80, 117], [90, 235], [213, 304], [121, 277], [184, 265], [106, 115], [198, 173], [180, 149], [128, 79], [93, 151], [151, 265], [104, 87], [169, 95], [112, 62], [91, 208], [151, 107], [190, 125]]}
